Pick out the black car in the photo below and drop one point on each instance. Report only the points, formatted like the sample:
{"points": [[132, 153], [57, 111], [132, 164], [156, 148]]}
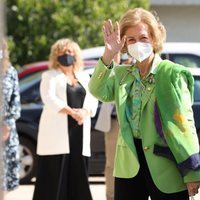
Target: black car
{"points": [[27, 127]]}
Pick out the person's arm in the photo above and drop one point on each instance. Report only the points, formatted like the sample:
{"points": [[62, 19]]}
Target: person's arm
{"points": [[67, 110], [192, 178], [15, 104], [101, 83], [11, 101], [11, 96], [48, 92], [90, 103]]}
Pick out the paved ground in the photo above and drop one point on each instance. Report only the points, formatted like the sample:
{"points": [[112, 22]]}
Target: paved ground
{"points": [[25, 192]]}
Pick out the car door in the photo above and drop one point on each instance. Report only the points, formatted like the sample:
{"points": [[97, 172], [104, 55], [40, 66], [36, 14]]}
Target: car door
{"points": [[196, 105]]}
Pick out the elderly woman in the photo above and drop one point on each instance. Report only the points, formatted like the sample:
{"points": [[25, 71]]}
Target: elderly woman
{"points": [[157, 151], [64, 130]]}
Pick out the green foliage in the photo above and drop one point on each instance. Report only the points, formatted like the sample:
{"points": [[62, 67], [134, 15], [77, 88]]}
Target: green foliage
{"points": [[33, 25]]}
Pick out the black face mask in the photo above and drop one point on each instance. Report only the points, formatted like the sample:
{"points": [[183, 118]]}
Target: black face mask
{"points": [[66, 60]]}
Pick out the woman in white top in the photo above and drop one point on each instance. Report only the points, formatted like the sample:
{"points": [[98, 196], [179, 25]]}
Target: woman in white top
{"points": [[64, 131]]}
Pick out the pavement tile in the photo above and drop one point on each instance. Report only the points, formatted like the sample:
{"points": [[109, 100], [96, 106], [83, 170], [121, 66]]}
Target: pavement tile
{"points": [[25, 192]]}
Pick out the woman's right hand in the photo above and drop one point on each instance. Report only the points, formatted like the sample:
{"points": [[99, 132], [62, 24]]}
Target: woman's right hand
{"points": [[6, 132], [80, 115], [113, 42], [193, 188], [76, 114]]}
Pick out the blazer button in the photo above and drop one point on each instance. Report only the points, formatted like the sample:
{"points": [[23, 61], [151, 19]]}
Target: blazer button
{"points": [[100, 75], [148, 88], [146, 148]]}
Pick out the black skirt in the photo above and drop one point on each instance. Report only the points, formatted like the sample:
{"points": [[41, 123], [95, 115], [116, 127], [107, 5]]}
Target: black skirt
{"points": [[65, 177]]}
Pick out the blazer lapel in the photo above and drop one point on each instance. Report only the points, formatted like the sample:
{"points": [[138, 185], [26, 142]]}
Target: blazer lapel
{"points": [[125, 86], [82, 79], [146, 96], [124, 90]]}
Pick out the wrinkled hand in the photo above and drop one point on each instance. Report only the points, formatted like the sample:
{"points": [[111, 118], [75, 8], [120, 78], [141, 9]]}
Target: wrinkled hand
{"points": [[112, 40], [5, 132], [79, 115], [193, 188]]}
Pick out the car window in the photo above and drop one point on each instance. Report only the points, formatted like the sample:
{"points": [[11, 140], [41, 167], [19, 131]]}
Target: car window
{"points": [[29, 88], [197, 89], [164, 56], [32, 94], [188, 60], [29, 81]]}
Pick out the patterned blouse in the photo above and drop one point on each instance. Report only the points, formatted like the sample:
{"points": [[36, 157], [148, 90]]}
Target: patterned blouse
{"points": [[10, 113], [134, 102], [11, 97]]}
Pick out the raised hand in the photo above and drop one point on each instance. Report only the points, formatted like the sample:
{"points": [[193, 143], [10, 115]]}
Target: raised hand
{"points": [[113, 42]]}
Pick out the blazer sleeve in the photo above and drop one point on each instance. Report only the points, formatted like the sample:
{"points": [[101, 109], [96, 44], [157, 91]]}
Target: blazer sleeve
{"points": [[48, 92], [174, 96], [185, 98], [181, 136], [101, 84], [90, 102]]}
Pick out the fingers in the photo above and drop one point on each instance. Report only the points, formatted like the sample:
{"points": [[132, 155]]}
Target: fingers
{"points": [[112, 39], [193, 192], [117, 28], [193, 188], [108, 28], [79, 115]]}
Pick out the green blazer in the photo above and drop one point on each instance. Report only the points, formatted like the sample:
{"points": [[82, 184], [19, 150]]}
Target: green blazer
{"points": [[113, 85]]}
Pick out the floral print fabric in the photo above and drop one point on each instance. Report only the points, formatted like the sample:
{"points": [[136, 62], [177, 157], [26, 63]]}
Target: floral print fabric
{"points": [[134, 103], [10, 113]]}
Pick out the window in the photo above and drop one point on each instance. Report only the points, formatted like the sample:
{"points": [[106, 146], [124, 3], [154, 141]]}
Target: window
{"points": [[29, 88], [197, 89], [188, 60]]}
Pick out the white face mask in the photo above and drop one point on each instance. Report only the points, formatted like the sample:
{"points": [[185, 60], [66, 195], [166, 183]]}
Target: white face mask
{"points": [[140, 50], [1, 54]]}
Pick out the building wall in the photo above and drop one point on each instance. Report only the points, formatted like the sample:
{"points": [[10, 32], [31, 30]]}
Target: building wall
{"points": [[175, 2], [182, 22]]}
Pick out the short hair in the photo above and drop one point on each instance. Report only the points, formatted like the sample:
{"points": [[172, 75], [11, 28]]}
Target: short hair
{"points": [[134, 16], [58, 47]]}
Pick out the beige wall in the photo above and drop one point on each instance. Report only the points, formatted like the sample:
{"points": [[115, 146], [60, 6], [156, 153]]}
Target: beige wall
{"points": [[182, 22]]}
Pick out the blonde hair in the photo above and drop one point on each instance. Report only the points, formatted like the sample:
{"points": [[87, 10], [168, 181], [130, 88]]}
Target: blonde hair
{"points": [[6, 59], [58, 47], [157, 30]]}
